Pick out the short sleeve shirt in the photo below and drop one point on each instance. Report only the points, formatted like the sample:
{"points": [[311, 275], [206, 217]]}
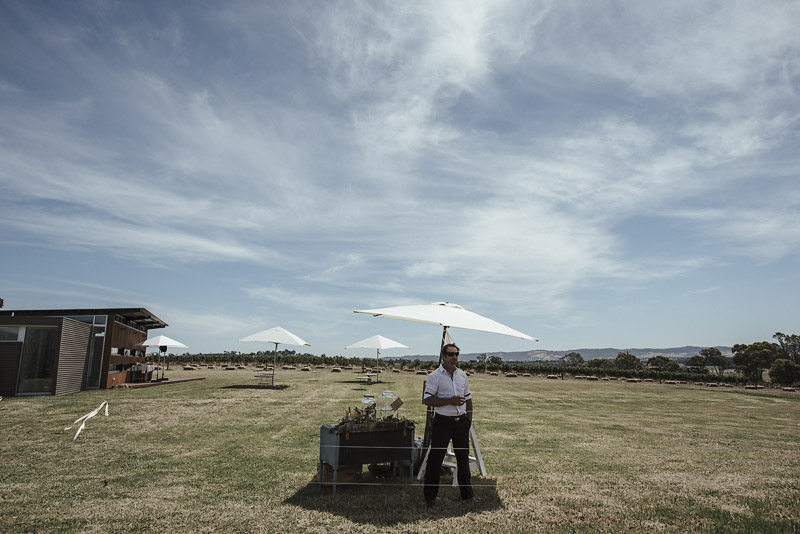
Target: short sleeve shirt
{"points": [[441, 384]]}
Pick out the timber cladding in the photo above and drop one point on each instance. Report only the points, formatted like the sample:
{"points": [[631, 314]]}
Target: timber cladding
{"points": [[73, 348], [125, 336]]}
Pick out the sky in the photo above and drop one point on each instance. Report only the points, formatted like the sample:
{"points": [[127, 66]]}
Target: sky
{"points": [[593, 174]]}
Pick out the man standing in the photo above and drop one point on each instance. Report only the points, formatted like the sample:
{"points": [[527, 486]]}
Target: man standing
{"points": [[447, 391]]}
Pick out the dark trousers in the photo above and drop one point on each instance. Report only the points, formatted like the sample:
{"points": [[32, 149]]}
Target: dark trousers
{"points": [[444, 429]]}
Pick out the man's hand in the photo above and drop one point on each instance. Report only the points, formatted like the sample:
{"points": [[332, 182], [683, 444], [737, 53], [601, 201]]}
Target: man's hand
{"points": [[457, 401]]}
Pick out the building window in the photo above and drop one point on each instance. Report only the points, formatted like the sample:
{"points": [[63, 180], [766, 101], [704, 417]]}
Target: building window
{"points": [[9, 333], [37, 369]]}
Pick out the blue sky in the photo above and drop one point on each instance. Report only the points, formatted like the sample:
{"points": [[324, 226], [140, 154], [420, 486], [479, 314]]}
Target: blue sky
{"points": [[614, 174]]}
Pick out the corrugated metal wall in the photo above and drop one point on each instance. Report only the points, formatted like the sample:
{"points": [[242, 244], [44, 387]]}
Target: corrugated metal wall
{"points": [[72, 356], [9, 367]]}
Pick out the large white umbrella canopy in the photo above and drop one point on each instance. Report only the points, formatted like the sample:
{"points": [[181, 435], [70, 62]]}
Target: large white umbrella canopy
{"points": [[278, 336], [162, 342], [377, 342], [446, 315]]}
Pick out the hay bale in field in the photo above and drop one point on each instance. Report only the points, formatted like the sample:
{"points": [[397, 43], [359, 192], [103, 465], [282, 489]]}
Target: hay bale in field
{"points": [[306, 368], [712, 385], [189, 368], [553, 377], [422, 372], [494, 373], [336, 370], [230, 368], [648, 380], [526, 374], [511, 375], [789, 389], [633, 380], [592, 378]]}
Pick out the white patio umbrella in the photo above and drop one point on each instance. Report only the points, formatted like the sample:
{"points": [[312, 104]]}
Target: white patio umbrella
{"points": [[377, 342], [447, 315], [163, 343], [278, 336]]}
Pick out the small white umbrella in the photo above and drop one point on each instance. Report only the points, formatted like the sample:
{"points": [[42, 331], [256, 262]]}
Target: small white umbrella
{"points": [[377, 342], [278, 336], [446, 315], [163, 343]]}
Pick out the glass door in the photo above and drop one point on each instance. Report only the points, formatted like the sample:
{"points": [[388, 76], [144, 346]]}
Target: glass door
{"points": [[37, 368]]}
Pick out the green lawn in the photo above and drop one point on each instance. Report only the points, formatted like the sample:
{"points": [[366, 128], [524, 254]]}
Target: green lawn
{"points": [[222, 455]]}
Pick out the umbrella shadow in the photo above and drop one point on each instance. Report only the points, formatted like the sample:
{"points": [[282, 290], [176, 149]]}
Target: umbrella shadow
{"points": [[255, 386], [392, 501]]}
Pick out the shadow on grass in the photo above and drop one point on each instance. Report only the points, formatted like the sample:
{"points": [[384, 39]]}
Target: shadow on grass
{"points": [[256, 386], [393, 500]]}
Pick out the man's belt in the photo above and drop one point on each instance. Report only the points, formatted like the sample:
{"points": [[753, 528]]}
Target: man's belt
{"points": [[450, 417]]}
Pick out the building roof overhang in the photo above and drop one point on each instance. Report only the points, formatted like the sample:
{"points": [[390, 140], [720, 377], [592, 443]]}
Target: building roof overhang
{"points": [[139, 316]]}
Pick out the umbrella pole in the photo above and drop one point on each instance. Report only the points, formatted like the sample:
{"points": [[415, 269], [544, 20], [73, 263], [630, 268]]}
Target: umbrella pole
{"points": [[377, 364], [444, 336], [426, 435], [274, 363]]}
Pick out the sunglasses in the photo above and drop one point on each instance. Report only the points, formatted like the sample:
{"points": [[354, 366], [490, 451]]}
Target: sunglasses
{"points": [[451, 353]]}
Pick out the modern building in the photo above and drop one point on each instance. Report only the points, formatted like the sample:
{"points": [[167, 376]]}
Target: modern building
{"points": [[54, 352]]}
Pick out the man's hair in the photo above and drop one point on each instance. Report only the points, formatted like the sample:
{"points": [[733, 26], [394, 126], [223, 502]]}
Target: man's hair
{"points": [[444, 349]]}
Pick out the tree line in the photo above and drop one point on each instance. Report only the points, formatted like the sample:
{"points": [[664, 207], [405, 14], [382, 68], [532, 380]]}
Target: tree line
{"points": [[781, 359]]}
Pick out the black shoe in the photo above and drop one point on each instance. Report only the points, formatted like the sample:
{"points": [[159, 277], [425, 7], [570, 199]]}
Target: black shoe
{"points": [[471, 499]]}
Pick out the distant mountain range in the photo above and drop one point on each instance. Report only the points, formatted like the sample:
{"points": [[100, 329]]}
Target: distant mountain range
{"points": [[587, 354]]}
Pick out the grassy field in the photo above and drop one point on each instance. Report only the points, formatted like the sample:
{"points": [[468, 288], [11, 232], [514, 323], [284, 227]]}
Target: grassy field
{"points": [[224, 455]]}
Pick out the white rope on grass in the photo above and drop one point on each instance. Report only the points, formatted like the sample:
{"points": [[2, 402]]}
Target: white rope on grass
{"points": [[82, 420]]}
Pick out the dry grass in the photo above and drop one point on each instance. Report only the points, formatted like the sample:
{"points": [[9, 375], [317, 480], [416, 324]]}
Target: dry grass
{"points": [[223, 455]]}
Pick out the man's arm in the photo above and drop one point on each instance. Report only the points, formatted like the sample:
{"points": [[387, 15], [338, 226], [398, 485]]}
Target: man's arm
{"points": [[449, 401], [469, 409]]}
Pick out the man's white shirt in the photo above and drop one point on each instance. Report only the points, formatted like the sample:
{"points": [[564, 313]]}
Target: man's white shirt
{"points": [[440, 384]]}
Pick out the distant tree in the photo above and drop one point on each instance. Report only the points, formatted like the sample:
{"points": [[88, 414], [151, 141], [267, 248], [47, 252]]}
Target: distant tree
{"points": [[753, 359], [662, 363], [496, 360], [626, 360], [602, 363], [697, 362], [790, 345], [714, 358], [573, 358], [784, 372]]}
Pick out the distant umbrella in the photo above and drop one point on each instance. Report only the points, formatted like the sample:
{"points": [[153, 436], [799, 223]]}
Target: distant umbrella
{"points": [[163, 343], [278, 336], [377, 342]]}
